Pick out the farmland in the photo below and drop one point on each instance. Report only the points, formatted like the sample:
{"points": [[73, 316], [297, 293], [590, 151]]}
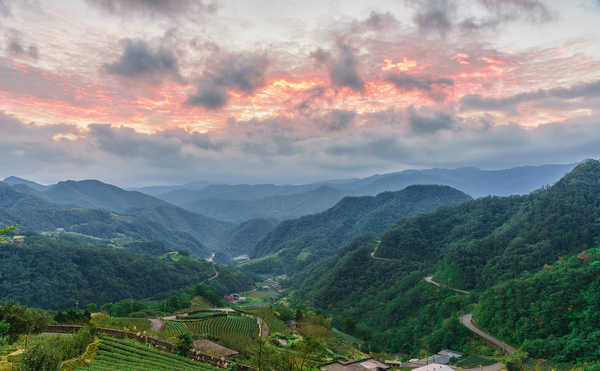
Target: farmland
{"points": [[117, 354], [215, 327]]}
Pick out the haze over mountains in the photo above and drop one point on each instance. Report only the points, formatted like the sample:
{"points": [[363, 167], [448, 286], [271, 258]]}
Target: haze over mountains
{"points": [[236, 203]]}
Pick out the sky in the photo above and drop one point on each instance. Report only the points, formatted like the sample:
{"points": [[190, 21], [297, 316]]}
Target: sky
{"points": [[140, 92]]}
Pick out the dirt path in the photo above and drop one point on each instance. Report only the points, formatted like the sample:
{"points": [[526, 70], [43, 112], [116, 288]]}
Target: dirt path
{"points": [[467, 320], [79, 357], [157, 324]]}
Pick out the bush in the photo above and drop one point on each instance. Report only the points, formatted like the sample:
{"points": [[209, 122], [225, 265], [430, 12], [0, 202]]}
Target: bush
{"points": [[184, 344], [52, 350]]}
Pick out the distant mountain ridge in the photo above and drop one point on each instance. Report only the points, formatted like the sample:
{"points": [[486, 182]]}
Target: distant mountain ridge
{"points": [[237, 203], [13, 180]]}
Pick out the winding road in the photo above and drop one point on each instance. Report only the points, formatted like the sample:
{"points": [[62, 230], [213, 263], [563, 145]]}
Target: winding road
{"points": [[467, 321], [430, 280], [378, 258]]}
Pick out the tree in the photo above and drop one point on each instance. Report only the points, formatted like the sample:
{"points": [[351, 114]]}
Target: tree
{"points": [[6, 230], [4, 328], [184, 344]]}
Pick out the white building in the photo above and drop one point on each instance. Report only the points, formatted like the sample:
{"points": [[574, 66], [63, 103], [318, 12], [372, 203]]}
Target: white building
{"points": [[434, 367]]}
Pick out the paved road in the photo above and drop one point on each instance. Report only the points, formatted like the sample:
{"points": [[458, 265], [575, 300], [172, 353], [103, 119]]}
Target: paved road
{"points": [[467, 320], [494, 367], [430, 280], [375, 251]]}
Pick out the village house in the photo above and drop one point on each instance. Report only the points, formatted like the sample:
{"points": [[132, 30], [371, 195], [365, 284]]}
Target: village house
{"points": [[363, 365], [443, 357]]}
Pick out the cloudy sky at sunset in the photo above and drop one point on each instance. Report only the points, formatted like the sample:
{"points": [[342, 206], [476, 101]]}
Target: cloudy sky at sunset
{"points": [[140, 92]]}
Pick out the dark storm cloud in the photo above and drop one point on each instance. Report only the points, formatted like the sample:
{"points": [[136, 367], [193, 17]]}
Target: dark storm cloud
{"points": [[140, 61], [209, 95], [479, 102], [337, 120], [17, 49], [510, 10], [153, 7], [245, 72], [342, 66], [422, 123], [429, 86], [166, 145], [442, 17], [435, 16]]}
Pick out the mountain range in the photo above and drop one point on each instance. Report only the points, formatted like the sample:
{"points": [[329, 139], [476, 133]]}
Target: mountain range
{"points": [[532, 260], [237, 203]]}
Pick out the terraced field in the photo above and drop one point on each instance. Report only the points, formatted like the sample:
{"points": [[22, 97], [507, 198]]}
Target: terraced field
{"points": [[118, 354], [214, 327]]}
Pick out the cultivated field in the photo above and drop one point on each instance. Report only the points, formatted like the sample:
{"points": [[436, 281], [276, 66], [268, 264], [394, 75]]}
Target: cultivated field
{"points": [[117, 354]]}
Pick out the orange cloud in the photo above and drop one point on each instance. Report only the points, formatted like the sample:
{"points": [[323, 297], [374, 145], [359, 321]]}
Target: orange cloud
{"points": [[405, 65]]}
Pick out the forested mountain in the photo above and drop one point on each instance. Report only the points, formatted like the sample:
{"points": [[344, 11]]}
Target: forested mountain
{"points": [[94, 194], [242, 238], [530, 259], [489, 240], [155, 220], [296, 243], [206, 230], [385, 303], [53, 274], [553, 313]]}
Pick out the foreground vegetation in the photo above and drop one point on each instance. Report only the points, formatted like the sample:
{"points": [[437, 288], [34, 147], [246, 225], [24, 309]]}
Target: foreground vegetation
{"points": [[119, 354]]}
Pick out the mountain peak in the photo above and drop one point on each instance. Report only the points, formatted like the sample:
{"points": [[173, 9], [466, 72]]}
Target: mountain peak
{"points": [[587, 172], [13, 180]]}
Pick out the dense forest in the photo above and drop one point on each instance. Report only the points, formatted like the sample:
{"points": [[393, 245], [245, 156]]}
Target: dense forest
{"points": [[386, 303], [297, 243], [489, 240], [54, 274], [554, 313]]}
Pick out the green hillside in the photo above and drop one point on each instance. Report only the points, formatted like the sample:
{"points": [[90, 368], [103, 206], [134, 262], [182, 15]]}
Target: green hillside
{"points": [[46, 273], [528, 258], [242, 238], [553, 313], [97, 195], [302, 241], [176, 228], [489, 240]]}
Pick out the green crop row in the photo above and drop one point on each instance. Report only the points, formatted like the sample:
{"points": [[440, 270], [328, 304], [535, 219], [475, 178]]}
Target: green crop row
{"points": [[118, 354]]}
